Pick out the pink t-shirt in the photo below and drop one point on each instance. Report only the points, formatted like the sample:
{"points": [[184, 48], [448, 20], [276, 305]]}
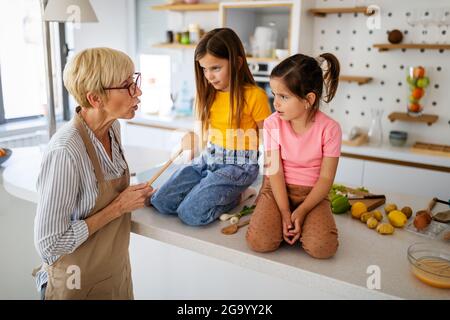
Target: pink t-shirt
{"points": [[302, 154]]}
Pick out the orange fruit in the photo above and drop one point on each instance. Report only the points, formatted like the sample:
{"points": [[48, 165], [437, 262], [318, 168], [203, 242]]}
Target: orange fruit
{"points": [[414, 107], [417, 93], [419, 72]]}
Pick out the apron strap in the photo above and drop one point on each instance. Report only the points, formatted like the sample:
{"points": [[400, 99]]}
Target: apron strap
{"points": [[79, 124], [127, 171]]}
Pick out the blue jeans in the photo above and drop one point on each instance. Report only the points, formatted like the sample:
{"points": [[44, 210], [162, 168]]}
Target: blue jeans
{"points": [[200, 192]]}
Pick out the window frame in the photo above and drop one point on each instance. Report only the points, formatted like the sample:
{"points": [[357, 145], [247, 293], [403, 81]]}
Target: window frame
{"points": [[62, 56]]}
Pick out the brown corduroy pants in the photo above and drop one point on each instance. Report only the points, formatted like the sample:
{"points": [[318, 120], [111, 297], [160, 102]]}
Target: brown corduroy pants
{"points": [[319, 236]]}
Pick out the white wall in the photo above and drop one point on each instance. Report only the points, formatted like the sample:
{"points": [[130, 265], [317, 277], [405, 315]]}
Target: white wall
{"points": [[352, 104], [115, 28]]}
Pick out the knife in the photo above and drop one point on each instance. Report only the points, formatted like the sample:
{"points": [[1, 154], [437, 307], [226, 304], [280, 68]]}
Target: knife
{"points": [[369, 196]]}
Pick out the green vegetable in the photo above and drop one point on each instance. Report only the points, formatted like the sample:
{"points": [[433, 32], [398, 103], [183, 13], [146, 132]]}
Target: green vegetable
{"points": [[246, 210], [340, 204]]}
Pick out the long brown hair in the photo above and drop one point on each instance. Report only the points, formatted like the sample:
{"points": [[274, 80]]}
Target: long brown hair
{"points": [[303, 74], [222, 43]]}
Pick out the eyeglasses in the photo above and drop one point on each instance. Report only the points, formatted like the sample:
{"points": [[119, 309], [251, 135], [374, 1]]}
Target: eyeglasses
{"points": [[132, 87]]}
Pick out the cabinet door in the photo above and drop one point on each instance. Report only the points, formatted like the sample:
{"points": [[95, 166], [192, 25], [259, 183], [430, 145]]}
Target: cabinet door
{"points": [[350, 172], [407, 180], [155, 138]]}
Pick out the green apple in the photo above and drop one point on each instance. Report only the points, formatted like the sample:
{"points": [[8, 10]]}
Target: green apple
{"points": [[412, 81], [423, 82]]}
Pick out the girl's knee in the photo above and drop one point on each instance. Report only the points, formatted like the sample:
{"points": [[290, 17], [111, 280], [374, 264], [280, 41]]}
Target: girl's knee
{"points": [[258, 242], [321, 248], [192, 215], [161, 204]]}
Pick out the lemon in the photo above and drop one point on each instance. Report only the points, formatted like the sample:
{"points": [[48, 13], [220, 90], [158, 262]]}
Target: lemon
{"points": [[358, 208], [397, 218]]}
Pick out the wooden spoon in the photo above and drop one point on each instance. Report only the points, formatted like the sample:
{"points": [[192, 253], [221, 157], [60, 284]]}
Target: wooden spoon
{"points": [[187, 144], [423, 217], [231, 229]]}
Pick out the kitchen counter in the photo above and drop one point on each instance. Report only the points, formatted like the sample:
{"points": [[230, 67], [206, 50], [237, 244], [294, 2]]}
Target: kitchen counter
{"points": [[401, 154], [23, 185], [344, 276]]}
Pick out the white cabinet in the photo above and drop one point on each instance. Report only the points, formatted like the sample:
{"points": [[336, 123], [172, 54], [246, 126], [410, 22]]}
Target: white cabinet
{"points": [[150, 137], [408, 180], [385, 177], [350, 172], [290, 17]]}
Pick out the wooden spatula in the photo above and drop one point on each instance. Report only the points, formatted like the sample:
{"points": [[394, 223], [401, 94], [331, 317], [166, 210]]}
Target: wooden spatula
{"points": [[187, 144], [231, 229]]}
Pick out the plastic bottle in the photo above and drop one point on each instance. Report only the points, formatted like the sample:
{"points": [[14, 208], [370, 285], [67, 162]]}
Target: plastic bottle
{"points": [[185, 100]]}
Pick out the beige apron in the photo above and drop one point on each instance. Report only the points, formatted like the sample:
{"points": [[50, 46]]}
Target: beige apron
{"points": [[103, 259]]}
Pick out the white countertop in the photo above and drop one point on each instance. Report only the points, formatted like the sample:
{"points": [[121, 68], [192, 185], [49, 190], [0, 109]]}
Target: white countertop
{"points": [[344, 275], [397, 153], [20, 174], [385, 151]]}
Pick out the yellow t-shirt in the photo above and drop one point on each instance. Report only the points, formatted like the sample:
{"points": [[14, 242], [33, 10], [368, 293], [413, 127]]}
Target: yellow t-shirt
{"points": [[224, 134]]}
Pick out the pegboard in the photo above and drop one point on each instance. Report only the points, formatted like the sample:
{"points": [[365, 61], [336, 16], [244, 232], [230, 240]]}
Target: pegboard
{"points": [[348, 37]]}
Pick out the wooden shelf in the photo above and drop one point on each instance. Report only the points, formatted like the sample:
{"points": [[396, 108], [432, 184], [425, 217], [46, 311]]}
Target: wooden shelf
{"points": [[388, 46], [322, 12], [174, 46], [402, 116], [358, 80], [188, 7], [431, 148]]}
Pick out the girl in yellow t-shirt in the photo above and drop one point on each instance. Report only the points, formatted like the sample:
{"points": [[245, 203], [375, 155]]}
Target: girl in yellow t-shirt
{"points": [[231, 109]]}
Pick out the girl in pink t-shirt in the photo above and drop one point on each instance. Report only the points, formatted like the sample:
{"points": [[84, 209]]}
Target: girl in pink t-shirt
{"points": [[302, 149]]}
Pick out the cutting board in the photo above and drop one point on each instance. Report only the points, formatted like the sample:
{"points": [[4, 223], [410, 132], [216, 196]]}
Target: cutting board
{"points": [[371, 204]]}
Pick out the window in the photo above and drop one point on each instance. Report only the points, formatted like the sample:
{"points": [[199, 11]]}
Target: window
{"points": [[156, 95], [23, 82], [22, 68]]}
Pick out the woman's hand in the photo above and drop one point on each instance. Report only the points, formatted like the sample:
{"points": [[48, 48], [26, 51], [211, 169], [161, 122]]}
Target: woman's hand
{"points": [[132, 198]]}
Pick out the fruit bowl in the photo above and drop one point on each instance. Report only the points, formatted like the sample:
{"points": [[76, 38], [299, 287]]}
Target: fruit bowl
{"points": [[6, 156], [430, 264]]}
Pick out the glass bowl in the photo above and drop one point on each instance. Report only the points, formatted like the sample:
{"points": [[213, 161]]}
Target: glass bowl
{"points": [[6, 156], [430, 265]]}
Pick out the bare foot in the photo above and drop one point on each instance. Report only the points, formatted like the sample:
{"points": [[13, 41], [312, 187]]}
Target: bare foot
{"points": [[247, 194]]}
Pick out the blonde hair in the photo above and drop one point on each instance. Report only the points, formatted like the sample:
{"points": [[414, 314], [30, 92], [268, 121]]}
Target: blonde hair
{"points": [[93, 69]]}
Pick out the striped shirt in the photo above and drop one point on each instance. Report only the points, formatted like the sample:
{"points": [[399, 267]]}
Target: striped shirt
{"points": [[67, 190]]}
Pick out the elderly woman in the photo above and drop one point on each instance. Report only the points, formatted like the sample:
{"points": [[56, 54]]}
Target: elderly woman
{"points": [[82, 226]]}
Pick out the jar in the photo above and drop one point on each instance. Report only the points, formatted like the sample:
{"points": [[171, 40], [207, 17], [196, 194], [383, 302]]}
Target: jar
{"points": [[178, 37], [194, 33], [418, 81], [169, 36], [376, 131], [185, 37]]}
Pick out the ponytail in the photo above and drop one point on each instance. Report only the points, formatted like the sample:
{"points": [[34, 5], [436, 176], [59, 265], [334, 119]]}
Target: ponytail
{"points": [[331, 76]]}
